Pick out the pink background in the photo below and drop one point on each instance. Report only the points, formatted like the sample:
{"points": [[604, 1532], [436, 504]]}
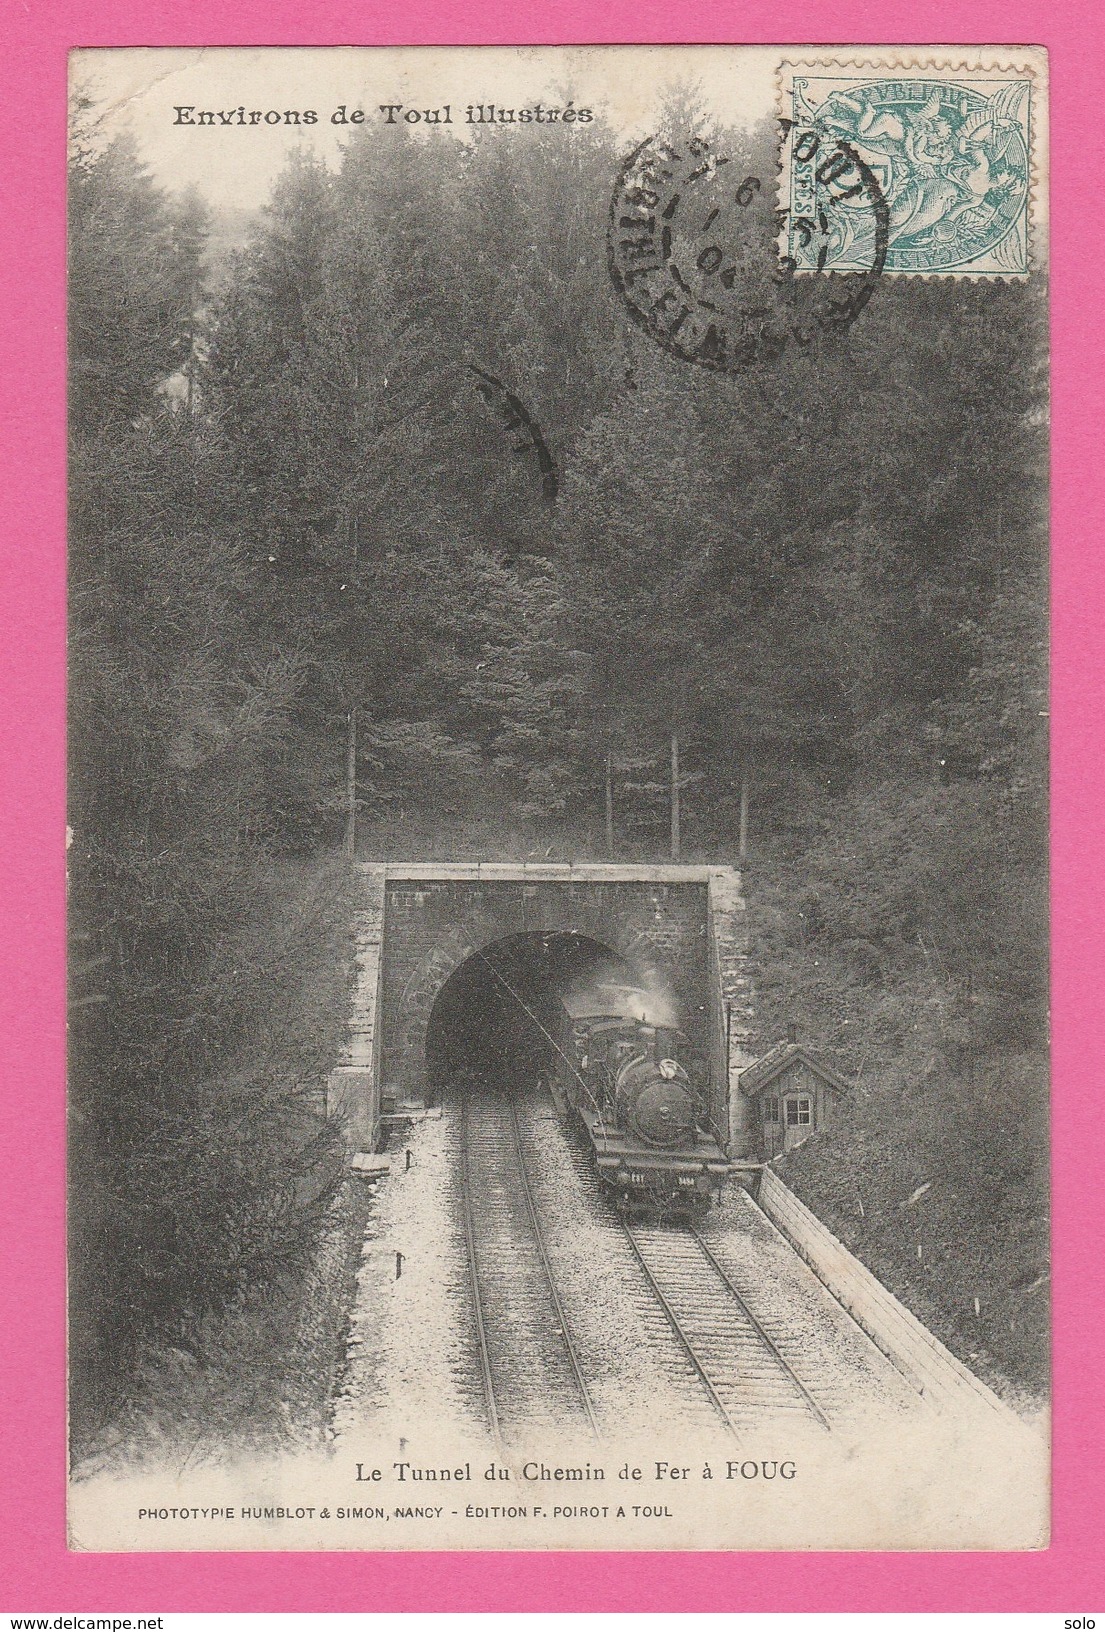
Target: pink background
{"points": [[36, 1571]]}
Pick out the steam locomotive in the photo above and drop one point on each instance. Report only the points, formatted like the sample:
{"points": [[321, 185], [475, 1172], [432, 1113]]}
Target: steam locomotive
{"points": [[631, 1084]]}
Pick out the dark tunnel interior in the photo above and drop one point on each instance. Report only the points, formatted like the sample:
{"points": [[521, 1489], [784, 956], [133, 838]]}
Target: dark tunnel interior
{"points": [[496, 1016]]}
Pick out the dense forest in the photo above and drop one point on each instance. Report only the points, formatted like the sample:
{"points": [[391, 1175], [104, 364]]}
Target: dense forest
{"points": [[301, 520]]}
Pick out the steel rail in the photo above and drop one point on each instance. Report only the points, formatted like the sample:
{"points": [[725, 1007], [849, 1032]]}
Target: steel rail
{"points": [[474, 1275], [673, 1320], [565, 1329], [769, 1342]]}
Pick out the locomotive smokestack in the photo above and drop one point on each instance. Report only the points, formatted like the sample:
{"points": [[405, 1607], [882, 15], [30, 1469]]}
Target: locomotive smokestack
{"points": [[792, 1031]]}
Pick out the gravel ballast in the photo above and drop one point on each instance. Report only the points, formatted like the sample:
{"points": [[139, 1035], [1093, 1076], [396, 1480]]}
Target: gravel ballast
{"points": [[412, 1364]]}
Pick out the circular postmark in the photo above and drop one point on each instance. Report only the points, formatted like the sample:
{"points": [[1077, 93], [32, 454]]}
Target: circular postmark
{"points": [[694, 248]]}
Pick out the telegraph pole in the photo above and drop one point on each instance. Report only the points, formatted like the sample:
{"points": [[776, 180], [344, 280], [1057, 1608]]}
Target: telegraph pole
{"points": [[350, 845]]}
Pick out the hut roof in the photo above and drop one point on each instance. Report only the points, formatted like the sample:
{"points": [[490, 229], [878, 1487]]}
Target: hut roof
{"points": [[756, 1077]]}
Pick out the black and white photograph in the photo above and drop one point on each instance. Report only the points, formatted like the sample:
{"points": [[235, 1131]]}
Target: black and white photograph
{"points": [[558, 558]]}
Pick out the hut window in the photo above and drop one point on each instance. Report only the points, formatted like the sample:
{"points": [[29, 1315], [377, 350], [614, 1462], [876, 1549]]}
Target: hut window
{"points": [[799, 1112], [771, 1108]]}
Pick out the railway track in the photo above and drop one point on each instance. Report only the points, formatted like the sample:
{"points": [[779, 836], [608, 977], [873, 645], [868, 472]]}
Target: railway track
{"points": [[736, 1361], [530, 1369]]}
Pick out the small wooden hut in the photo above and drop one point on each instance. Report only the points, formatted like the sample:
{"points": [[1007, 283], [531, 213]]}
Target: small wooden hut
{"points": [[795, 1093]]}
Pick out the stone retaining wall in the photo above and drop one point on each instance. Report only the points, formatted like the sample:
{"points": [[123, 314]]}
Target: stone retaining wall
{"points": [[353, 1087], [730, 991], [932, 1369]]}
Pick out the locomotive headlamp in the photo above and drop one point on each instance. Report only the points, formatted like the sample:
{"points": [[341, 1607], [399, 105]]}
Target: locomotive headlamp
{"points": [[668, 1068]]}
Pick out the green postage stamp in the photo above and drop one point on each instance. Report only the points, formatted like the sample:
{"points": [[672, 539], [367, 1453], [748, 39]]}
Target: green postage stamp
{"points": [[947, 147]]}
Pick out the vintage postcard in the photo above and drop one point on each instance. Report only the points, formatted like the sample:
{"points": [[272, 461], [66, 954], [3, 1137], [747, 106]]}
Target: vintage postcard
{"points": [[558, 559]]}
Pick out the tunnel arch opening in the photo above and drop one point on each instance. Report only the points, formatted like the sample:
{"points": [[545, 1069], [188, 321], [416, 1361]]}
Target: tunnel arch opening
{"points": [[496, 1021]]}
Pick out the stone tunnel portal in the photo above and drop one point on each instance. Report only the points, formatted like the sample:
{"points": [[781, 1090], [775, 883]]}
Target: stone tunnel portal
{"points": [[497, 1019], [425, 1004]]}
